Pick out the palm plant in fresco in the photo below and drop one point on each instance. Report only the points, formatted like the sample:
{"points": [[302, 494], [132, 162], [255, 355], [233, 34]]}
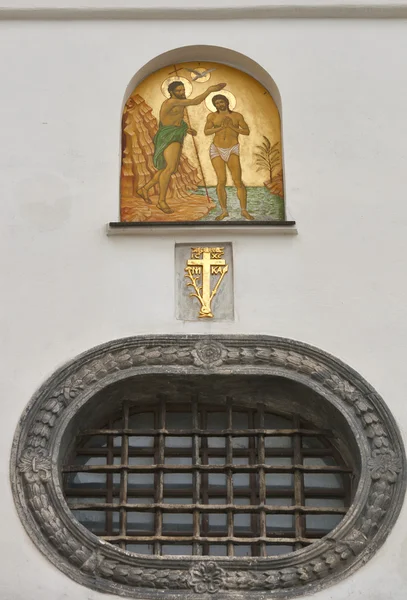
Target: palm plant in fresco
{"points": [[268, 158]]}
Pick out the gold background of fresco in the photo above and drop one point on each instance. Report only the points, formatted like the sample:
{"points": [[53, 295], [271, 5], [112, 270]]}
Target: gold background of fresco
{"points": [[253, 102]]}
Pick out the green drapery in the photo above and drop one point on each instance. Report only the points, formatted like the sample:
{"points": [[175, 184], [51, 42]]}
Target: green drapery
{"points": [[166, 135]]}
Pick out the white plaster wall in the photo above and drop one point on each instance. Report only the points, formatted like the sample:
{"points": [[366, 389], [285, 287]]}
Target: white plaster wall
{"points": [[340, 284]]}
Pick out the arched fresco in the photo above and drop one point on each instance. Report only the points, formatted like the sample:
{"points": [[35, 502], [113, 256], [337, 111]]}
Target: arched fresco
{"points": [[201, 141]]}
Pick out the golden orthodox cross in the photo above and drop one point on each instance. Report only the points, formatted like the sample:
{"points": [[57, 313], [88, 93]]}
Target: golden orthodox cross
{"points": [[211, 263], [175, 71]]}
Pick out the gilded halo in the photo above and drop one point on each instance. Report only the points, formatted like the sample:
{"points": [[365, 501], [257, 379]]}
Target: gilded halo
{"points": [[166, 83], [229, 96]]}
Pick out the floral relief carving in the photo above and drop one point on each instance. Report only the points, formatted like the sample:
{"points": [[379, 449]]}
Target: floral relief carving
{"points": [[209, 354], [36, 465], [89, 561], [384, 464], [206, 577]]}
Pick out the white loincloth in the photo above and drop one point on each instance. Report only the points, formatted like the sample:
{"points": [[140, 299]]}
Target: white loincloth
{"points": [[224, 153]]}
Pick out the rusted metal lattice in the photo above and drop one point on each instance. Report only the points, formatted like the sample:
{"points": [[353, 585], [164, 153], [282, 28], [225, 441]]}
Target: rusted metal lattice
{"points": [[201, 479]]}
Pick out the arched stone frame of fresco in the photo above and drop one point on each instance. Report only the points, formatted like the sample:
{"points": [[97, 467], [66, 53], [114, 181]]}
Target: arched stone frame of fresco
{"points": [[49, 423], [204, 206]]}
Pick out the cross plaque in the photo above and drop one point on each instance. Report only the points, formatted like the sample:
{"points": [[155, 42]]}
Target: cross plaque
{"points": [[204, 263]]}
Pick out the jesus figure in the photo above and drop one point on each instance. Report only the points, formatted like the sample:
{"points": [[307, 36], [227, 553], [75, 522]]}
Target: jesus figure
{"points": [[225, 150]]}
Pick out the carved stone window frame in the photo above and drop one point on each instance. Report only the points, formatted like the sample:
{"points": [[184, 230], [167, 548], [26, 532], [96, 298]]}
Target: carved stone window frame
{"points": [[36, 477]]}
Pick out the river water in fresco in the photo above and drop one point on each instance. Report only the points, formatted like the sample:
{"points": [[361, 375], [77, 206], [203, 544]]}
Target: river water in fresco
{"points": [[261, 204]]}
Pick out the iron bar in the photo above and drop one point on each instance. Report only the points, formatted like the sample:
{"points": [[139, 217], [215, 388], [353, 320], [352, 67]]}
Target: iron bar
{"points": [[200, 497]]}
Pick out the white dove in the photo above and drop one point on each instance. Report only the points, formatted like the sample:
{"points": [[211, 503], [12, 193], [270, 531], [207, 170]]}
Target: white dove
{"points": [[198, 74]]}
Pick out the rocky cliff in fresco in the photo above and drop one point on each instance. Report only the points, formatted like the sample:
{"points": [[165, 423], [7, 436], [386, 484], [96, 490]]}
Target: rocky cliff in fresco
{"points": [[139, 129]]}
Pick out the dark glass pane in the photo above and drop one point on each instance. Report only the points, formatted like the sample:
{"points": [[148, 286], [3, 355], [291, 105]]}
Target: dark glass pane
{"points": [[278, 501], [216, 442], [140, 460], [178, 420], [240, 442], [94, 520], [143, 420], [277, 461], [278, 480], [140, 500], [279, 522], [240, 420], [242, 524], [217, 524], [312, 442], [115, 522], [276, 422], [328, 502], [140, 481], [96, 441], [217, 500], [85, 500], [178, 442], [217, 480], [241, 480], [177, 482], [218, 550], [278, 549], [177, 500], [140, 441], [138, 522], [242, 500], [140, 548], [217, 421], [178, 460], [177, 524], [216, 460], [177, 549], [322, 523], [89, 460], [241, 550], [240, 460], [320, 461], [323, 480], [116, 477], [274, 441], [94, 481]]}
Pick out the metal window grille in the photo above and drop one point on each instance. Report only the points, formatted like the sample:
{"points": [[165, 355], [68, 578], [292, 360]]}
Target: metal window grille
{"points": [[199, 479]]}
